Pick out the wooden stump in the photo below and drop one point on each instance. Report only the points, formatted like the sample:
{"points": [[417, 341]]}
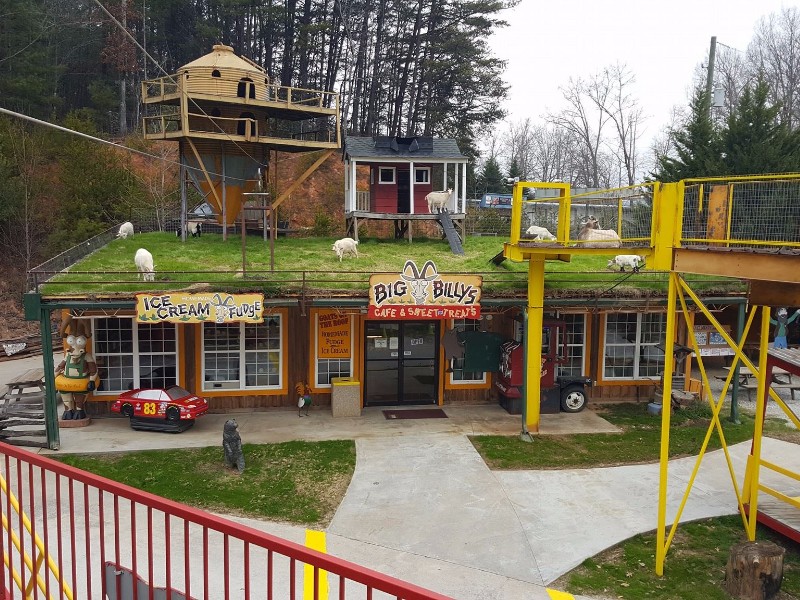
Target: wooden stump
{"points": [[754, 570]]}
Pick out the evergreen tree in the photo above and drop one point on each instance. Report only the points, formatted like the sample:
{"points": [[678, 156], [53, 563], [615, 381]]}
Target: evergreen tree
{"points": [[696, 145], [754, 141], [490, 179]]}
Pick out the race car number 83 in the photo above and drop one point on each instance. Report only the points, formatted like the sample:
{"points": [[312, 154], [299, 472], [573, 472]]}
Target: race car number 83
{"points": [[149, 408]]}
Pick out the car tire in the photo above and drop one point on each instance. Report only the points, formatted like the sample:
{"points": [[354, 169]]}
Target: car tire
{"points": [[173, 413], [573, 398], [126, 410]]}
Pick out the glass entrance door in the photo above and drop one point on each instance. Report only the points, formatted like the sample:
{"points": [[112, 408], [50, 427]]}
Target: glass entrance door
{"points": [[401, 362]]}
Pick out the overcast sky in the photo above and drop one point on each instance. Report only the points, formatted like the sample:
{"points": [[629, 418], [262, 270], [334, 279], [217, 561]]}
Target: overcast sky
{"points": [[661, 42]]}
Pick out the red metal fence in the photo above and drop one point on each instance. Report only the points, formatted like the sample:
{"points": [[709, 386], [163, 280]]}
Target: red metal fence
{"points": [[70, 534]]}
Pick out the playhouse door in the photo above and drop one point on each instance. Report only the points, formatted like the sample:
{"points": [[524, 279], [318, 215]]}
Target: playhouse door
{"points": [[403, 191], [401, 362]]}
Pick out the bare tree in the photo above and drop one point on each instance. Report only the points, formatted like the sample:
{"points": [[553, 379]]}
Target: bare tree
{"points": [[623, 110], [585, 120], [775, 50]]}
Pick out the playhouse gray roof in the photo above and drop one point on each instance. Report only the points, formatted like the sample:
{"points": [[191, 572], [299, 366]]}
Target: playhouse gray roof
{"points": [[422, 148]]}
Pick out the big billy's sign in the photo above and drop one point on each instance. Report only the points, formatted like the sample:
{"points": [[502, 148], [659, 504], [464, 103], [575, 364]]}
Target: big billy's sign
{"points": [[424, 294]]}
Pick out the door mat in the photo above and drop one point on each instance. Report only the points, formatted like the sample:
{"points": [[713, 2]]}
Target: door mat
{"points": [[422, 413]]}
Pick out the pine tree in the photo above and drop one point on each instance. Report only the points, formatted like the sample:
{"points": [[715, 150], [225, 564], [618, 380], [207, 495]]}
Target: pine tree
{"points": [[490, 180], [754, 141], [697, 145]]}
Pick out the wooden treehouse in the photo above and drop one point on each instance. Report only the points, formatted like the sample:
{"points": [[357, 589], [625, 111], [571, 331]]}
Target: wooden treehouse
{"points": [[230, 120], [388, 178]]}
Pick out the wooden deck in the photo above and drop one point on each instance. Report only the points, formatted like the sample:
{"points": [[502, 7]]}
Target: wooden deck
{"points": [[402, 222], [778, 516]]}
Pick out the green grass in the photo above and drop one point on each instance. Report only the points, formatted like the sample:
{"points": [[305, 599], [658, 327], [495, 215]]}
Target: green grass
{"points": [[639, 441], [211, 260], [296, 482], [694, 567]]}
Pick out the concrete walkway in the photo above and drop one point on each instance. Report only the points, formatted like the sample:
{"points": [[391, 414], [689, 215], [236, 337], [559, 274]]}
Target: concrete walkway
{"points": [[424, 507]]}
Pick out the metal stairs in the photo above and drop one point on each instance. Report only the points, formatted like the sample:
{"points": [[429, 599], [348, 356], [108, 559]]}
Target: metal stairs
{"points": [[450, 232]]}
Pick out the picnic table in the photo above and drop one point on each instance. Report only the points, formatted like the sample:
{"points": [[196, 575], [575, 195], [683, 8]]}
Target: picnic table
{"points": [[22, 410], [781, 380]]}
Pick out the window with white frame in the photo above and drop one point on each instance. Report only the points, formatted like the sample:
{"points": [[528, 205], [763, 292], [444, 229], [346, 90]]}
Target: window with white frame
{"points": [[386, 174], [575, 344], [634, 345], [131, 355], [459, 375], [242, 355], [422, 175]]}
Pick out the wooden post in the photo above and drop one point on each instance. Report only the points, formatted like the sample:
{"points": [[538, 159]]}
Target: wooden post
{"points": [[754, 571]]}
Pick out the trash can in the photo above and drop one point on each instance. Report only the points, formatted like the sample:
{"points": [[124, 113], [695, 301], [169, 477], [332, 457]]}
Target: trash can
{"points": [[345, 397]]}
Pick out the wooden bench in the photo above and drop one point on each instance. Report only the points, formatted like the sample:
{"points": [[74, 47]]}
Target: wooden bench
{"points": [[792, 387]]}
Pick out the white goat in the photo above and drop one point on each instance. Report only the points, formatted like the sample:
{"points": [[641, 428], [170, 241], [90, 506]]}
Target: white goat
{"points": [[345, 246], [596, 237], [125, 230], [626, 260], [539, 233], [144, 264], [437, 201], [193, 228]]}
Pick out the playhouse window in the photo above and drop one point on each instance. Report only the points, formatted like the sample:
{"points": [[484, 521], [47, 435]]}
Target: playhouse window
{"points": [[386, 175], [632, 343], [131, 355], [459, 375], [215, 73], [242, 355], [422, 175]]}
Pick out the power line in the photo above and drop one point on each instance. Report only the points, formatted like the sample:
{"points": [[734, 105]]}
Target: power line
{"points": [[102, 141]]}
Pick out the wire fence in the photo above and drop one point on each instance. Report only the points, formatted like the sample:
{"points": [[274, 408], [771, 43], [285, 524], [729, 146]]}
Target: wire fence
{"points": [[742, 213]]}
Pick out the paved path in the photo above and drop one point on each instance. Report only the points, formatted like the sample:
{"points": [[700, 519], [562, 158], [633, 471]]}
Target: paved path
{"points": [[423, 506]]}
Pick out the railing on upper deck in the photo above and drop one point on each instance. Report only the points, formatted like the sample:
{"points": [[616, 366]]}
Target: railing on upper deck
{"points": [[70, 534], [742, 212], [628, 211], [288, 96]]}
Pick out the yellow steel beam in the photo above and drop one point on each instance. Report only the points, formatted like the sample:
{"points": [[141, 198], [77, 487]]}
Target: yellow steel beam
{"points": [[666, 410], [288, 191], [758, 431], [665, 206], [533, 345], [743, 265]]}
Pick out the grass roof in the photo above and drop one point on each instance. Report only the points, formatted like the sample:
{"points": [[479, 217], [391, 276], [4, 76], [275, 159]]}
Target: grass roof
{"points": [[309, 266]]}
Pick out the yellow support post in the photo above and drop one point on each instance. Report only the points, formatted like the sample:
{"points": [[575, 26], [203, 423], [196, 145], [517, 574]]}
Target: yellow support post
{"points": [[316, 541], [666, 224], [666, 409], [755, 463], [533, 345]]}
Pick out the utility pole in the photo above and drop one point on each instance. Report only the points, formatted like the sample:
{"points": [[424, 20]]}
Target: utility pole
{"points": [[712, 53]]}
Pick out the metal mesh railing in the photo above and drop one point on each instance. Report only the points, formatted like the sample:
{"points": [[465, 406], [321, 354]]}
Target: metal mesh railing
{"points": [[742, 212], [628, 212]]}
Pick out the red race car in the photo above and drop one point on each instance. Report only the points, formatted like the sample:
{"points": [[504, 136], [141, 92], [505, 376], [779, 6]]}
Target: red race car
{"points": [[160, 409]]}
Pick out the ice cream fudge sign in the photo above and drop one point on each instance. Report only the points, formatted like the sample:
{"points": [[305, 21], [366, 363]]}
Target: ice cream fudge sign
{"points": [[333, 331], [199, 308]]}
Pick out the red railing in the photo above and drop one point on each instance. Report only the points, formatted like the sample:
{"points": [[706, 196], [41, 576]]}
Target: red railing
{"points": [[71, 534]]}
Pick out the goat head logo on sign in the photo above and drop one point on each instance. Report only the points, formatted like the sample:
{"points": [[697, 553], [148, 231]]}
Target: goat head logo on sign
{"points": [[223, 309], [418, 281]]}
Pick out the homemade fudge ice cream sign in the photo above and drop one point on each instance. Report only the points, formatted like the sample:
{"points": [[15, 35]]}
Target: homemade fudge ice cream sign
{"points": [[424, 294], [200, 308], [334, 335]]}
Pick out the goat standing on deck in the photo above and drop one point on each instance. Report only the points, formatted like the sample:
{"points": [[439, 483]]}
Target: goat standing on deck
{"points": [[596, 237], [437, 201]]}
